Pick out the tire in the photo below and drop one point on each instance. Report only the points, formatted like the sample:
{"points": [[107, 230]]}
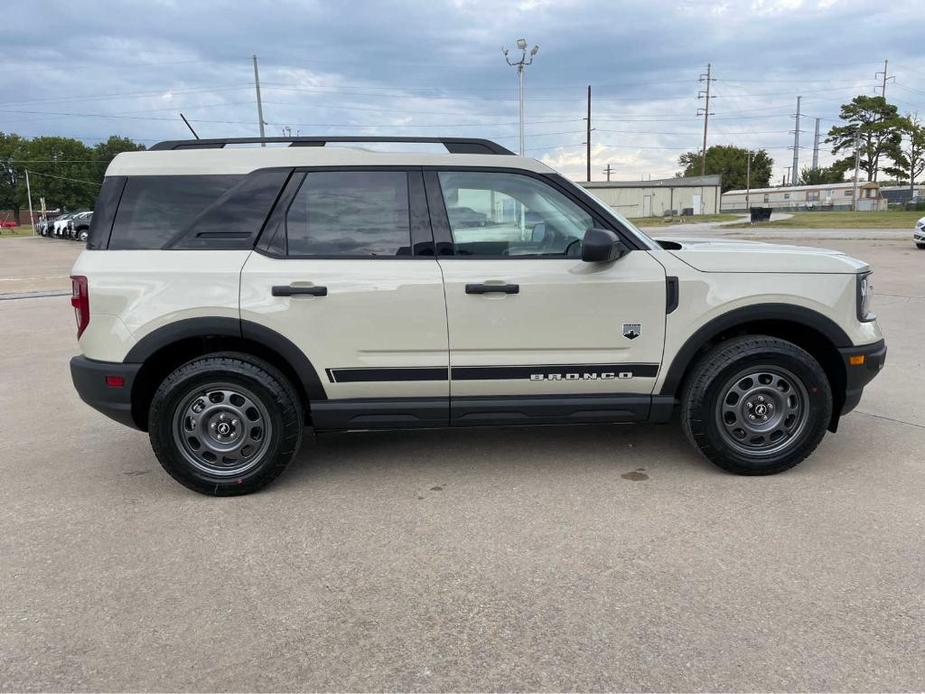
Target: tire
{"points": [[920, 245], [249, 430], [756, 405]]}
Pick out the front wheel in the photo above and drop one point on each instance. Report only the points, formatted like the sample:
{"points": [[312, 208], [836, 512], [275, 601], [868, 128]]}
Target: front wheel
{"points": [[920, 245], [756, 405], [225, 424]]}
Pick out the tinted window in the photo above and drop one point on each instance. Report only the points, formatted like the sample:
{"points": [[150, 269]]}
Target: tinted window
{"points": [[235, 219], [157, 209], [350, 213], [105, 211], [503, 214]]}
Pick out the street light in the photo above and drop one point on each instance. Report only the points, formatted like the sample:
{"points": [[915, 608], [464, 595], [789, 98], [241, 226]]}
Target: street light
{"points": [[520, 65]]}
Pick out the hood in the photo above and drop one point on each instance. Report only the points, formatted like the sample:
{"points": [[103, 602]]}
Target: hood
{"points": [[725, 255]]}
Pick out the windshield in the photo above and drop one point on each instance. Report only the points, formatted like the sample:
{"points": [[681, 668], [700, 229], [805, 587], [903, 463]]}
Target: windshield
{"points": [[608, 211]]}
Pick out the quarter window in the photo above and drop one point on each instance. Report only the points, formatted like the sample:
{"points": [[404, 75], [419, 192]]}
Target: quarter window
{"points": [[350, 213], [157, 209], [499, 214]]}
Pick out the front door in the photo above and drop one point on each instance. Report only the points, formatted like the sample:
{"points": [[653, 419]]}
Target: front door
{"points": [[345, 270], [527, 317]]}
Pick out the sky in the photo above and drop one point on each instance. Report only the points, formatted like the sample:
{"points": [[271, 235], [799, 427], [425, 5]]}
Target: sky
{"points": [[91, 69]]}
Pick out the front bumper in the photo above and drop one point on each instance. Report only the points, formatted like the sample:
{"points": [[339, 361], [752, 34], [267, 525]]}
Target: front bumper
{"points": [[114, 401], [859, 375]]}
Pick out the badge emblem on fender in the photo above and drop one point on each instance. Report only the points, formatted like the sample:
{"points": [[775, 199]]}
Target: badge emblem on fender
{"points": [[631, 330]]}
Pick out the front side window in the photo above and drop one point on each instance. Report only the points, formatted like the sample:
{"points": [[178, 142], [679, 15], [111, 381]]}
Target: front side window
{"points": [[499, 214], [350, 213]]}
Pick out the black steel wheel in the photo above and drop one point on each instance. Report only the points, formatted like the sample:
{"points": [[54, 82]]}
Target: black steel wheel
{"points": [[225, 424], [756, 405]]}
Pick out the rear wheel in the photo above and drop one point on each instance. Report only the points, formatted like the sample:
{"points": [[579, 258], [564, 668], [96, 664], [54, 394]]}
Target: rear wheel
{"points": [[756, 405], [225, 424]]}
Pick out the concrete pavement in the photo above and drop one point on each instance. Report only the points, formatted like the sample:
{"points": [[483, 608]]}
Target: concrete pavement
{"points": [[552, 558]]}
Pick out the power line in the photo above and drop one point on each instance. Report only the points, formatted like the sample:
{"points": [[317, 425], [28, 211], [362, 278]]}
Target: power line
{"points": [[64, 178]]}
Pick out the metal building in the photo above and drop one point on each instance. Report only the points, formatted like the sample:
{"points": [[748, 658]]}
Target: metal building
{"points": [[679, 196]]}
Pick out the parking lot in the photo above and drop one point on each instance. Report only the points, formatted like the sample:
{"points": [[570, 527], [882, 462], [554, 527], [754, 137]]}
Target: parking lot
{"points": [[551, 558]]}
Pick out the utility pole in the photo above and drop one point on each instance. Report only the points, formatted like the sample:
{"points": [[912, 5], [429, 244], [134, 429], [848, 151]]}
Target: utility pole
{"points": [[588, 143], [787, 177], [29, 194], [705, 112], [886, 78], [608, 171], [259, 101], [520, 65], [857, 167], [748, 183], [816, 146], [795, 178]]}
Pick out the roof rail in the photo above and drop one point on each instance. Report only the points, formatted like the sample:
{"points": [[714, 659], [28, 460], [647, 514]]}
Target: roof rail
{"points": [[454, 145]]}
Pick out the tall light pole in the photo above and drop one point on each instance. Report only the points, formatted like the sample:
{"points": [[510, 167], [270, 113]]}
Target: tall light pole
{"points": [[520, 65]]}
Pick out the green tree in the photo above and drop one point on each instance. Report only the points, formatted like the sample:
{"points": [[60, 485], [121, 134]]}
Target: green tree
{"points": [[821, 175], [63, 170], [877, 123], [910, 159], [10, 176], [731, 163]]}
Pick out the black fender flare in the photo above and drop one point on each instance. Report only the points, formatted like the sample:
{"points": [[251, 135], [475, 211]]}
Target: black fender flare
{"points": [[748, 314], [218, 326]]}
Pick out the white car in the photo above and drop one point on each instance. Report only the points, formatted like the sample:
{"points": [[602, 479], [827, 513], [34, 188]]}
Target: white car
{"points": [[229, 297], [919, 234]]}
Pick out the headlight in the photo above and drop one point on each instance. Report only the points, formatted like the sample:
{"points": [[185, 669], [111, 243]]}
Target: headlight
{"points": [[865, 289]]}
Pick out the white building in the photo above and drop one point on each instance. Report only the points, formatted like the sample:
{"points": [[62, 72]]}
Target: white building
{"points": [[827, 196], [684, 196]]}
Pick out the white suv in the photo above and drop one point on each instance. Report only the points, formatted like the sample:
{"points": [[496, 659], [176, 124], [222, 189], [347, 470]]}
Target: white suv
{"points": [[230, 296]]}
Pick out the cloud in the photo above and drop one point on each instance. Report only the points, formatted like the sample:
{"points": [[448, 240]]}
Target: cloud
{"points": [[435, 68]]}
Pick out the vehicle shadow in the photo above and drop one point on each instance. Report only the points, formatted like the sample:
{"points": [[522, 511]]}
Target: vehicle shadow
{"points": [[579, 448]]}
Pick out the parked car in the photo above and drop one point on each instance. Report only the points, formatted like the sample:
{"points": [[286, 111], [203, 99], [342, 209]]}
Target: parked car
{"points": [[78, 226], [59, 227], [919, 233], [313, 286]]}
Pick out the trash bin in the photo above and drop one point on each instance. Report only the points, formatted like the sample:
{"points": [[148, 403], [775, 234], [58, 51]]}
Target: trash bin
{"points": [[760, 214]]}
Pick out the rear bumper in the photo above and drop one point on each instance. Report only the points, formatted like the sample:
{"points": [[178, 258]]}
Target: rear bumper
{"points": [[90, 378], [859, 375]]}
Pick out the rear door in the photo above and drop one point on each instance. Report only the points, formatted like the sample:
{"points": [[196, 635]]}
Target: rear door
{"points": [[526, 316], [345, 269]]}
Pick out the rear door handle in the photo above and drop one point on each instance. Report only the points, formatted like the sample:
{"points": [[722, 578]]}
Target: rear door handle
{"points": [[492, 289], [284, 290]]}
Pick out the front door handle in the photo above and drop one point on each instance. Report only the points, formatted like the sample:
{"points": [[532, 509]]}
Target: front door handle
{"points": [[294, 291], [492, 289]]}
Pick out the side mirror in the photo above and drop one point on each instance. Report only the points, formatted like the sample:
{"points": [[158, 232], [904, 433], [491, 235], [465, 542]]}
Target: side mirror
{"points": [[602, 246], [538, 235]]}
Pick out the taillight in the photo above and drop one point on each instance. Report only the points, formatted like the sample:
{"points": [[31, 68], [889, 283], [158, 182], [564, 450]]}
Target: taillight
{"points": [[80, 300]]}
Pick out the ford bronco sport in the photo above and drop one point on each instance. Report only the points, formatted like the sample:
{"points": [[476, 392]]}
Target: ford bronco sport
{"points": [[231, 296]]}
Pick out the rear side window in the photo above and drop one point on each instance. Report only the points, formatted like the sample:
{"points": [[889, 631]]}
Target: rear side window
{"points": [[350, 213], [156, 210], [105, 211]]}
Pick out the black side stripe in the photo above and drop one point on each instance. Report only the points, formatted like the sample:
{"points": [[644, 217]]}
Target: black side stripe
{"points": [[493, 373], [413, 373]]}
